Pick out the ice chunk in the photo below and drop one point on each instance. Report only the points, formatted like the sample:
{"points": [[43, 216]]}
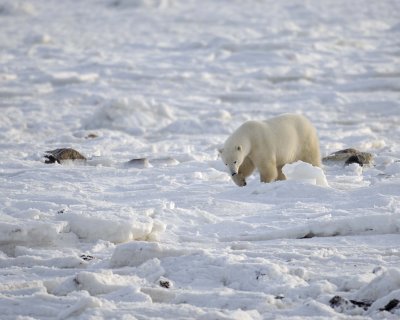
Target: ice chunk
{"points": [[114, 230], [135, 253], [380, 287], [306, 172]]}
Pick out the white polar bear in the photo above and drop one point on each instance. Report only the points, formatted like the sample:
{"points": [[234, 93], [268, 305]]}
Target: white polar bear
{"points": [[268, 146]]}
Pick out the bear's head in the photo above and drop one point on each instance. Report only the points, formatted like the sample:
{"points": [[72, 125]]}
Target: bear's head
{"points": [[232, 157]]}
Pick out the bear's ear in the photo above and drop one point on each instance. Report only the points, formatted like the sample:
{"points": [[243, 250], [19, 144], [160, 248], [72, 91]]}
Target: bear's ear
{"points": [[239, 148]]}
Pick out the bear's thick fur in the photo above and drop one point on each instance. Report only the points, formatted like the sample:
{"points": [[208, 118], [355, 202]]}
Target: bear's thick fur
{"points": [[268, 146]]}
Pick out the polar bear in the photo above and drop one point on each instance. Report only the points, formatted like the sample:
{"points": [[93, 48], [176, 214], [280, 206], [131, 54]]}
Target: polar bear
{"points": [[268, 146]]}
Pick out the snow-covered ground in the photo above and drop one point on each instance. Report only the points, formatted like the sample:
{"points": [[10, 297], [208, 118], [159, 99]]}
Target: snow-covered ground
{"points": [[169, 80]]}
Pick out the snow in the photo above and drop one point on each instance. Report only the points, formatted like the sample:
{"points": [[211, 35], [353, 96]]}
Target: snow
{"points": [[151, 226]]}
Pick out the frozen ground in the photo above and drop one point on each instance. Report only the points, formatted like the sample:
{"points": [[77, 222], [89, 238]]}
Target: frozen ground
{"points": [[170, 80]]}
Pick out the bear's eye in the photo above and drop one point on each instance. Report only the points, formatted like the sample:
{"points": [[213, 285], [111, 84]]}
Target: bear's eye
{"points": [[234, 162], [226, 164]]}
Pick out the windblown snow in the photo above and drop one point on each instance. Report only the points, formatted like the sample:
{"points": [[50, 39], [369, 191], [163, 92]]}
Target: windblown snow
{"points": [[170, 236]]}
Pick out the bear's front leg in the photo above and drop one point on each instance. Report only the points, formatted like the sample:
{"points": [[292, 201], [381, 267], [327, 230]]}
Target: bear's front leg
{"points": [[268, 173], [246, 168]]}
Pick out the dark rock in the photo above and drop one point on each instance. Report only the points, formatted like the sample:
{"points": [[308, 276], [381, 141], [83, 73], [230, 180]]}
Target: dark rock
{"points": [[391, 305], [308, 235], [337, 302], [138, 163], [342, 304], [348, 156], [353, 159], [59, 155], [87, 257], [361, 304], [91, 136], [165, 284]]}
